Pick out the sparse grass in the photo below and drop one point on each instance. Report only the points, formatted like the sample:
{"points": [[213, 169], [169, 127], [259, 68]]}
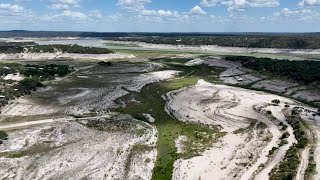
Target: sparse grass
{"points": [[168, 60], [121, 45], [262, 125], [33, 150], [16, 119], [114, 125], [147, 53], [287, 169], [311, 169], [199, 137], [136, 150], [272, 151], [283, 142], [242, 130]]}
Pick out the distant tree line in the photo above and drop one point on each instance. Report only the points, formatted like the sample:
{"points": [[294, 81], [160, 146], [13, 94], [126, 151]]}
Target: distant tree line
{"points": [[53, 48], [302, 71], [11, 49], [2, 43], [23, 33], [249, 41], [71, 49]]}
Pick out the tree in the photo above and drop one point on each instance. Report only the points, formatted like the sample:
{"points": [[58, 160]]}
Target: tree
{"points": [[3, 135], [276, 101]]}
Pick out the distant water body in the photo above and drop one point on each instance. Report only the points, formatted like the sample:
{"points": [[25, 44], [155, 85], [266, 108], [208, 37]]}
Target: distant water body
{"points": [[80, 42]]}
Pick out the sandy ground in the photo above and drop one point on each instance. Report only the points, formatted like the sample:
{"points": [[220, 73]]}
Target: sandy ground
{"points": [[96, 99], [149, 117], [234, 73], [314, 125], [278, 114], [13, 126], [144, 79], [83, 99], [23, 106], [275, 85], [213, 48], [15, 77], [317, 155], [52, 150], [304, 163], [48, 56], [179, 142], [245, 79], [230, 108], [307, 95]]}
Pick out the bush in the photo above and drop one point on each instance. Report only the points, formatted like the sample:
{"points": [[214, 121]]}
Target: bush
{"points": [[46, 71], [283, 142], [25, 87], [276, 101], [285, 135], [301, 71], [3, 134], [103, 63]]}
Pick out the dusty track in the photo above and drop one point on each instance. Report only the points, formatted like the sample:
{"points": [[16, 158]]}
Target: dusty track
{"points": [[232, 108]]}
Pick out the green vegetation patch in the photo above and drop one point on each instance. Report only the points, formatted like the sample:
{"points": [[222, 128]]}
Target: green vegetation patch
{"points": [[120, 44], [33, 150], [18, 48], [250, 41], [48, 71], [287, 169], [136, 150], [301, 71], [3, 135], [250, 127], [199, 137], [311, 169], [74, 48]]}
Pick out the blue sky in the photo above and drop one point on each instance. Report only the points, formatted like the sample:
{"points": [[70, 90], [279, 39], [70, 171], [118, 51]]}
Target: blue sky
{"points": [[161, 15]]}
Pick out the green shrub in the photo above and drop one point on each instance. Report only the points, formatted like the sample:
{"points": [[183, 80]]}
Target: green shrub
{"points": [[3, 134]]}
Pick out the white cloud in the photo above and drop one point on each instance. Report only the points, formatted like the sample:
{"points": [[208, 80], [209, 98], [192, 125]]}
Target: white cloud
{"points": [[138, 7], [164, 13], [12, 8], [12, 14], [158, 13], [212, 3], [73, 2], [59, 6], [72, 15], [133, 5], [21, 1], [63, 4], [294, 16], [196, 10], [95, 14], [310, 3], [240, 5]]}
